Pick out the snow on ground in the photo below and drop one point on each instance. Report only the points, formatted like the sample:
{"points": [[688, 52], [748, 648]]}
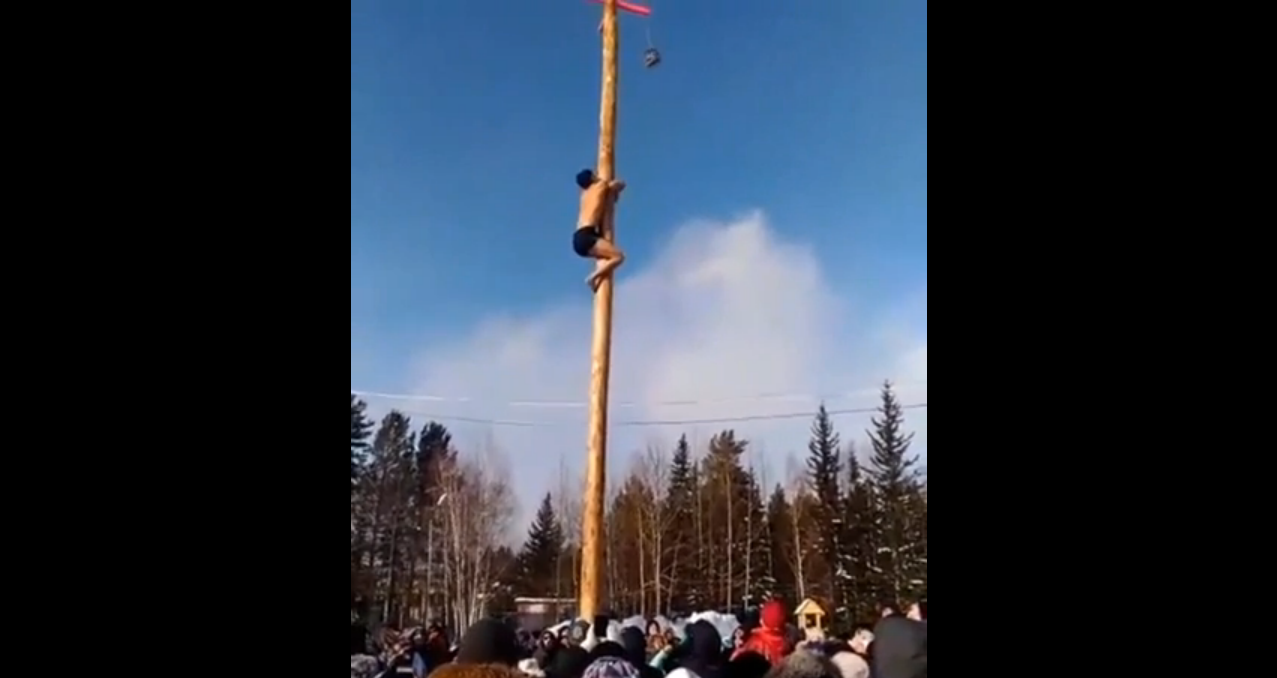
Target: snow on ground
{"points": [[725, 623]]}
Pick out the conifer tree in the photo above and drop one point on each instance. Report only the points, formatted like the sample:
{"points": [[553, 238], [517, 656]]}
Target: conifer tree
{"points": [[393, 528], [780, 525], [858, 595], [541, 554], [360, 428], [680, 538], [901, 508], [760, 574], [824, 465], [727, 540]]}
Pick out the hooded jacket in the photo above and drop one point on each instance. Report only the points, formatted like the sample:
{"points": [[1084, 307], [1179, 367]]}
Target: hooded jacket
{"points": [[701, 655], [769, 639]]}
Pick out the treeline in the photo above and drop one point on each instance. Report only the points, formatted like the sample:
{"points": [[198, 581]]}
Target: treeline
{"points": [[426, 524], [687, 529]]}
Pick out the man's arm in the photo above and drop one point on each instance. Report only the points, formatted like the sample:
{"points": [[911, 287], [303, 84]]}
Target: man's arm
{"points": [[616, 187]]}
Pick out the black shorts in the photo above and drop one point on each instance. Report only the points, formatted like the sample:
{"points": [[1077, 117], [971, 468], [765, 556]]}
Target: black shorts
{"points": [[584, 240]]}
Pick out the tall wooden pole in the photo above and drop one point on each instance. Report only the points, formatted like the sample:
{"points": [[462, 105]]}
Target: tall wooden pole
{"points": [[592, 533]]}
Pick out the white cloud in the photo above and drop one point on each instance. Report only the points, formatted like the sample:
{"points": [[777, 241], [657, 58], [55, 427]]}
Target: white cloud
{"points": [[726, 312]]}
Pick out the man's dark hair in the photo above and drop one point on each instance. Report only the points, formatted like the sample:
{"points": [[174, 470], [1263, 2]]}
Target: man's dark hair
{"points": [[585, 178]]}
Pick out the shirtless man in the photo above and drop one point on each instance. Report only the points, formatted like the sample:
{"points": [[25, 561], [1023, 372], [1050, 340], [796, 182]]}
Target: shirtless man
{"points": [[597, 198]]}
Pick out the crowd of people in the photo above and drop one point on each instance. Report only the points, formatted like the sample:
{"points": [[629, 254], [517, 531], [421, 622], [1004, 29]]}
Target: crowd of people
{"points": [[895, 648]]}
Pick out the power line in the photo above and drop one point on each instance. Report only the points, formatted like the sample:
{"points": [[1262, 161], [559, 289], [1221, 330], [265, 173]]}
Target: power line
{"points": [[654, 422], [763, 417], [578, 405]]}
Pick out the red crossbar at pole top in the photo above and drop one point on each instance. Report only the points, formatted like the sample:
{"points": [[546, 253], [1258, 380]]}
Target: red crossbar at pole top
{"points": [[629, 7]]}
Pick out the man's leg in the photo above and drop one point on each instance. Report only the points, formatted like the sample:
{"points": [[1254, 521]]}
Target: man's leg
{"points": [[609, 258]]}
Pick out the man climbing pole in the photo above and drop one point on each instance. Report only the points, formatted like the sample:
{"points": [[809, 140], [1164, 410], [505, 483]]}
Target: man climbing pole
{"points": [[589, 242]]}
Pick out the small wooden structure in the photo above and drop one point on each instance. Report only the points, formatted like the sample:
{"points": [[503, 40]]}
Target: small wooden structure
{"points": [[537, 614], [811, 617]]}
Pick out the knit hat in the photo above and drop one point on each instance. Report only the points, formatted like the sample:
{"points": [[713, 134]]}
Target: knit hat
{"points": [[803, 664], [851, 665], [611, 667], [489, 642]]}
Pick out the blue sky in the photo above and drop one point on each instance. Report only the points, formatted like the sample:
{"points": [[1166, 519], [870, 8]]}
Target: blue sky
{"points": [[795, 128]]}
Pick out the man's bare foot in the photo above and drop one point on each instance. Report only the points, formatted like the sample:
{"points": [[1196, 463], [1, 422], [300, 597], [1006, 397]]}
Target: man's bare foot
{"points": [[594, 280]]}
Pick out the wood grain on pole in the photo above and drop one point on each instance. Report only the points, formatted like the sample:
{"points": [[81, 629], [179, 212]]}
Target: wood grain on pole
{"points": [[592, 537]]}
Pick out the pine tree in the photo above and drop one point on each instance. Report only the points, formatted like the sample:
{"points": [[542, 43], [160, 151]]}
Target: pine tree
{"points": [[433, 454], [824, 464], [680, 506], [858, 594], [541, 554], [901, 508], [725, 514], [392, 453], [780, 525], [760, 572], [360, 428], [434, 448]]}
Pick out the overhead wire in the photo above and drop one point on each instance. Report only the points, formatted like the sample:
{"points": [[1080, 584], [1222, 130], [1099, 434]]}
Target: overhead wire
{"points": [[650, 423], [567, 404]]}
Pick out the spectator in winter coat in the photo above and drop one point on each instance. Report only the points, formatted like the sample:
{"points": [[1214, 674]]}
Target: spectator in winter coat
{"points": [[635, 646], [769, 639], [655, 638], [607, 650], [900, 648], [489, 642], [748, 665], [569, 662], [701, 655], [547, 648]]}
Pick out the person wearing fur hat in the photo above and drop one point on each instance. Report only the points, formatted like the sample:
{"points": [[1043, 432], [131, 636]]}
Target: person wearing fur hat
{"points": [[850, 664], [805, 664]]}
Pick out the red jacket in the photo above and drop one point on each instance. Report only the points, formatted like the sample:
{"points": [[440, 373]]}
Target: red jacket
{"points": [[769, 640]]}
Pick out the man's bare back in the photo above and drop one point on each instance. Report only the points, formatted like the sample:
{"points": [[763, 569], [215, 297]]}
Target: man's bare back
{"points": [[599, 196]]}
